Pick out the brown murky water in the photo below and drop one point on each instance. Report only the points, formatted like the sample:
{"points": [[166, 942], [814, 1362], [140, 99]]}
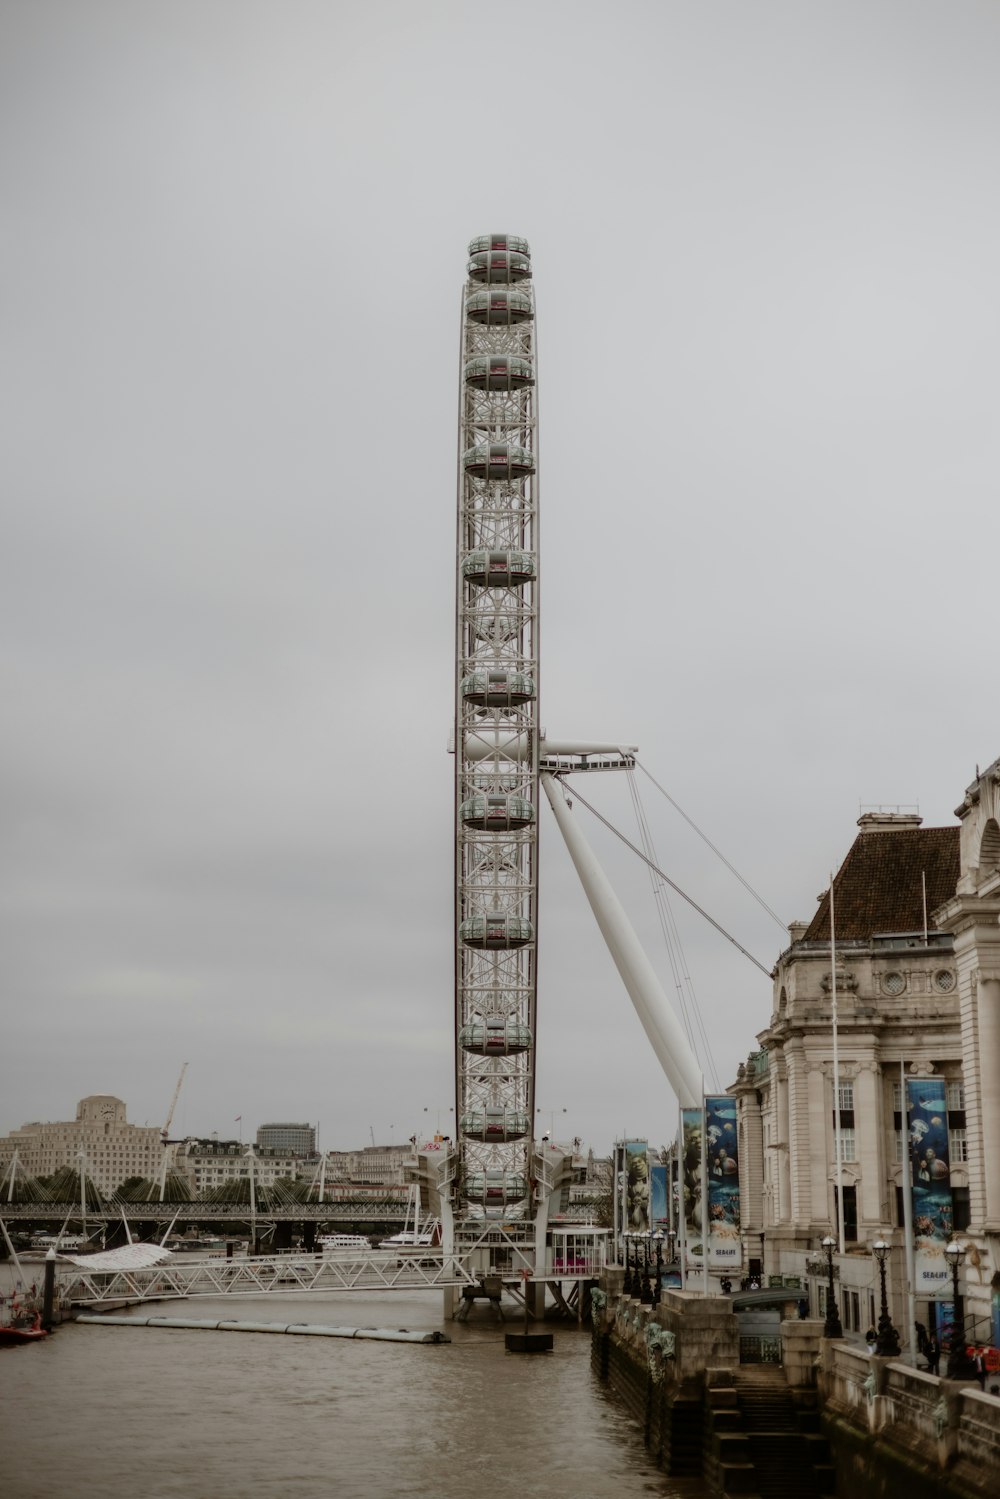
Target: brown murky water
{"points": [[117, 1411]]}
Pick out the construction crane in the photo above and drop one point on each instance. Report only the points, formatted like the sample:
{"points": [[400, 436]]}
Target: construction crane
{"points": [[166, 1131], [173, 1104]]}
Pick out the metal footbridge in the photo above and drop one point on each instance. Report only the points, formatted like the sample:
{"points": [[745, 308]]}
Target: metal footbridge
{"points": [[294, 1274], [387, 1210]]}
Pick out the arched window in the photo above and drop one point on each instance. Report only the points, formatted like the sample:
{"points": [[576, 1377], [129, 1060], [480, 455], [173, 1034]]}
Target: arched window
{"points": [[989, 849]]}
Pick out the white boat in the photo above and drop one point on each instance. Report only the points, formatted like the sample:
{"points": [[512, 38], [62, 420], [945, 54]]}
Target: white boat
{"points": [[429, 1238], [328, 1244], [415, 1236]]}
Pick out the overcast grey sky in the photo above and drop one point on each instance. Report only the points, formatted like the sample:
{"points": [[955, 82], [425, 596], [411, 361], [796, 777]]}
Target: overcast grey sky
{"points": [[766, 241]]}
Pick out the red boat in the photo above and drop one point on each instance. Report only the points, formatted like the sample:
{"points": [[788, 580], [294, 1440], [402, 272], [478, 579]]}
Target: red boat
{"points": [[26, 1328]]}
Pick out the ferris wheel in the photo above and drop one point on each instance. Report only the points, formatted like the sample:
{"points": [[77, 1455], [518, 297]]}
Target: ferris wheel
{"points": [[501, 764], [496, 736]]}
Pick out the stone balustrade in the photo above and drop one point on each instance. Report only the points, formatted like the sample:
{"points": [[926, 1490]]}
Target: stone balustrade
{"points": [[936, 1436]]}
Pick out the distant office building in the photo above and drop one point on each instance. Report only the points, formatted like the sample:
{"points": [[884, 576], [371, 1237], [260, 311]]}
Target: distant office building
{"points": [[113, 1150], [293, 1139], [373, 1165], [208, 1165]]}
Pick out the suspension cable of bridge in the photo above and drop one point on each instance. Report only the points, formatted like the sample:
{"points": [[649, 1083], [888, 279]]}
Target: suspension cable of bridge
{"points": [[496, 734]]}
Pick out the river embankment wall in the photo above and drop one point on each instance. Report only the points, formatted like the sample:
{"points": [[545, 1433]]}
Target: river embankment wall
{"points": [[872, 1428], [897, 1430]]}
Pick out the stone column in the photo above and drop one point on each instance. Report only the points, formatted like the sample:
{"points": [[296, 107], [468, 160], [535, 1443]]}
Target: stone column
{"points": [[800, 1125], [820, 1155], [869, 1135], [782, 1184], [989, 1075]]}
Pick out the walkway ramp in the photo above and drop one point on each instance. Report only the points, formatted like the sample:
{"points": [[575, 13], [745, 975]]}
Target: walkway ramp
{"points": [[271, 1275]]}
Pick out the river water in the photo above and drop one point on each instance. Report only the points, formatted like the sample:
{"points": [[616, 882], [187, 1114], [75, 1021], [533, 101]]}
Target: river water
{"points": [[95, 1412]]}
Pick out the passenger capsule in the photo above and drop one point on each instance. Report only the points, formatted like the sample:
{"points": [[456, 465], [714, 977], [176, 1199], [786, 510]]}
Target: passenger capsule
{"points": [[497, 1037], [498, 569], [495, 1188], [498, 461], [499, 372], [495, 930], [494, 1126], [498, 267], [497, 814], [497, 689], [500, 306], [512, 242]]}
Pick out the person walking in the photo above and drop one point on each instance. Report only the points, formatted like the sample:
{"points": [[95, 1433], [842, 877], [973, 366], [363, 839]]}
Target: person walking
{"points": [[979, 1365], [932, 1353]]}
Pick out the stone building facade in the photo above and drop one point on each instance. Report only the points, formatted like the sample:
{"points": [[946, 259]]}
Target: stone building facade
{"points": [[898, 1016], [972, 919], [210, 1165], [917, 990], [372, 1165], [113, 1150]]}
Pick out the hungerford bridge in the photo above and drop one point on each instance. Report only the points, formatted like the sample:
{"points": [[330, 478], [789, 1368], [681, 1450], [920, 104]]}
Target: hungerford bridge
{"points": [[388, 1208]]}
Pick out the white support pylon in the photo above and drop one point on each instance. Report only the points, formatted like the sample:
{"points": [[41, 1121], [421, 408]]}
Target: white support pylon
{"points": [[666, 1036]]}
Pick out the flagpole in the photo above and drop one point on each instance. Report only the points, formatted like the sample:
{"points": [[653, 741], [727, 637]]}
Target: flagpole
{"points": [[836, 1079], [911, 1267], [704, 1195], [682, 1215]]}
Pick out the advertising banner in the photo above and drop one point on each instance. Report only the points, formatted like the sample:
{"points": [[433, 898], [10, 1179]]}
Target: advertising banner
{"points": [[636, 1186], [658, 1219], [725, 1251], [620, 1180], [692, 1185], [930, 1182]]}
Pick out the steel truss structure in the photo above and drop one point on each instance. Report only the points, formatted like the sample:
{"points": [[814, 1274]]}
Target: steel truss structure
{"points": [[496, 738], [294, 1273], [387, 1210], [288, 1274]]}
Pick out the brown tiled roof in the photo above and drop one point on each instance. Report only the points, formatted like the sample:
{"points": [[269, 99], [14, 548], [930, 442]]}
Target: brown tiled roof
{"points": [[878, 888]]}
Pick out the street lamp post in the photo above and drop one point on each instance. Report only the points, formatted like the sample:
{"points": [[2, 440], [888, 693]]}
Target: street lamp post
{"points": [[959, 1363], [832, 1326], [887, 1341], [627, 1286], [647, 1289], [552, 1118], [658, 1239]]}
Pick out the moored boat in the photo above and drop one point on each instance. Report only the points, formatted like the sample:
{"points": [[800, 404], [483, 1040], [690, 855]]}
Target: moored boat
{"points": [[24, 1327]]}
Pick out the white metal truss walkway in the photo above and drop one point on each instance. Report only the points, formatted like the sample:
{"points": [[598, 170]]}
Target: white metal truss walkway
{"points": [[288, 1274], [293, 1274]]}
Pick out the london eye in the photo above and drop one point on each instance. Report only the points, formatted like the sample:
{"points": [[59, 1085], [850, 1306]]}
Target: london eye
{"points": [[496, 734]]}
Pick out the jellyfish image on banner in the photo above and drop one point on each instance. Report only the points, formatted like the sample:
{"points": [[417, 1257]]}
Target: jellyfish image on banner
{"points": [[930, 1183]]}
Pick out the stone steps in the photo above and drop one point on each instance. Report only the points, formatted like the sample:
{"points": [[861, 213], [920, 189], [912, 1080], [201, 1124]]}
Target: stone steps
{"points": [[774, 1450]]}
